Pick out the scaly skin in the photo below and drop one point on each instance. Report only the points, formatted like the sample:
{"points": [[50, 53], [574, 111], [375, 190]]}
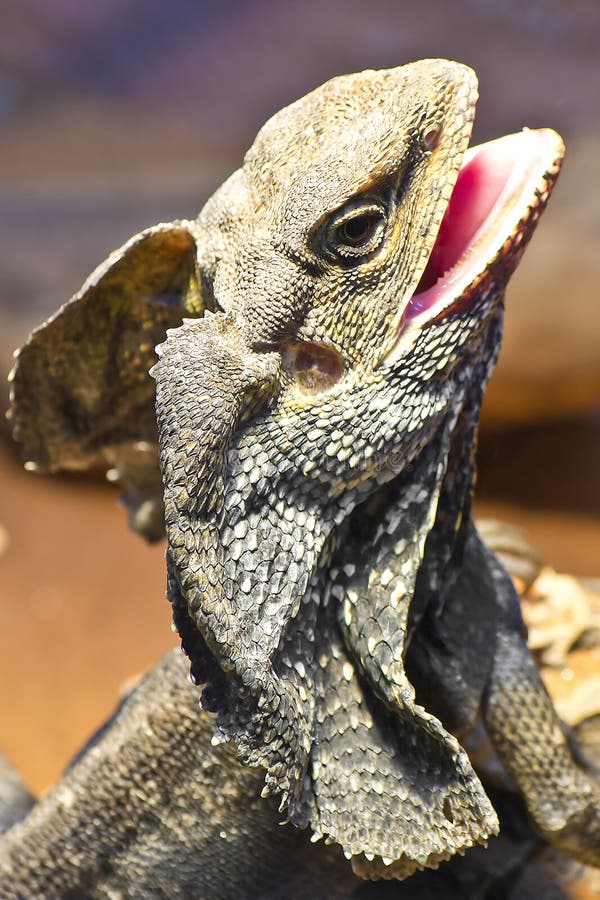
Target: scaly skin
{"points": [[317, 453], [152, 810]]}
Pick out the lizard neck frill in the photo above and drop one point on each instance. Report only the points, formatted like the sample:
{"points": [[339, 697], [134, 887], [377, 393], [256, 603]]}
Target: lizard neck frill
{"points": [[361, 663], [258, 604], [443, 555], [241, 571]]}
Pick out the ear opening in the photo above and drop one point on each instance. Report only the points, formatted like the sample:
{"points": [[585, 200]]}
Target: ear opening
{"points": [[81, 394]]}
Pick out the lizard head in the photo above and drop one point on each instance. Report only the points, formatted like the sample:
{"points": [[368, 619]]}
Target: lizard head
{"points": [[332, 215], [359, 216], [366, 247]]}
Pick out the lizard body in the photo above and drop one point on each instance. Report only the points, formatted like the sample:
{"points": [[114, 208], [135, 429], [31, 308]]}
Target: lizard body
{"points": [[335, 312], [151, 809]]}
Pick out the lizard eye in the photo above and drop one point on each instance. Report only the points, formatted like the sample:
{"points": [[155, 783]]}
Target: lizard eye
{"points": [[357, 231]]}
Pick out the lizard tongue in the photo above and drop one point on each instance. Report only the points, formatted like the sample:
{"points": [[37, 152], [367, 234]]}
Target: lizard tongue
{"points": [[488, 215]]}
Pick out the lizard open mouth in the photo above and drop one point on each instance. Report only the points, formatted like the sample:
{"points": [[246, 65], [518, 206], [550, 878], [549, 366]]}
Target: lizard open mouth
{"points": [[501, 189]]}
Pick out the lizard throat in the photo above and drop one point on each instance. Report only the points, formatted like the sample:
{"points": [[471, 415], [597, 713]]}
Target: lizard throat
{"points": [[488, 216]]}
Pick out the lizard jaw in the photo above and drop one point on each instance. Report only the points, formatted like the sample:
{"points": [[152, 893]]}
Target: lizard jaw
{"points": [[501, 189]]}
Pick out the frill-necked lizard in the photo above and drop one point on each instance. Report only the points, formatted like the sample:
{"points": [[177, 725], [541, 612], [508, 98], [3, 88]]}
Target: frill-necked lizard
{"points": [[331, 320]]}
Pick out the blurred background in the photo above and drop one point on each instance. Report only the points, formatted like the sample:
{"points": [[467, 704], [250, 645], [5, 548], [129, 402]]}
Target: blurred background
{"points": [[118, 114]]}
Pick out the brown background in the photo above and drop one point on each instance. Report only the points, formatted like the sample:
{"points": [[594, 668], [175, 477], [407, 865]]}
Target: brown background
{"points": [[122, 113]]}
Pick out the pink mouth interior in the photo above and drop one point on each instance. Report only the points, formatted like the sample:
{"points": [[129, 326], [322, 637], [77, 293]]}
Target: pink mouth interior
{"points": [[482, 189]]}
